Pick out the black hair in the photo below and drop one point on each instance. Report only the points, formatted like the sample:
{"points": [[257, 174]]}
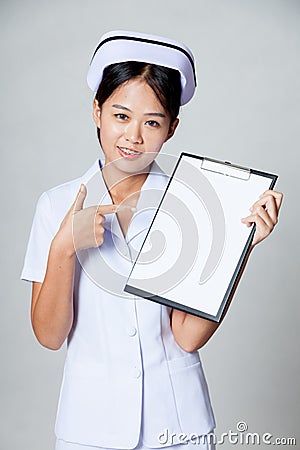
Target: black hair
{"points": [[164, 81]]}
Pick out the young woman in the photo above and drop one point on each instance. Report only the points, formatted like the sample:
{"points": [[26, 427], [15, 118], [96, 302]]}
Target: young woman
{"points": [[132, 376]]}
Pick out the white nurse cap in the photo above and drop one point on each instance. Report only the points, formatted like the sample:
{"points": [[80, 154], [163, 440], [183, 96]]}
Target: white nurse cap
{"points": [[120, 46]]}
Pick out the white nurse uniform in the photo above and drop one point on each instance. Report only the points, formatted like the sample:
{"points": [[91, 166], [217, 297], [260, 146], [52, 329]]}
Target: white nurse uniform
{"points": [[124, 371]]}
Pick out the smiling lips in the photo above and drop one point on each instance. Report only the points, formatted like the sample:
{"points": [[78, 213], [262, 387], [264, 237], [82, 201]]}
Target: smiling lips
{"points": [[128, 153]]}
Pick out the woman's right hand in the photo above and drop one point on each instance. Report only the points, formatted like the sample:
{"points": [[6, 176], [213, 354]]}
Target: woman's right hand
{"points": [[52, 309], [82, 227]]}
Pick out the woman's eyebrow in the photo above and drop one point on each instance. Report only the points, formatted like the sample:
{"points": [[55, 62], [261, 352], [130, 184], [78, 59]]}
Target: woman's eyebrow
{"points": [[152, 114], [156, 114], [121, 107]]}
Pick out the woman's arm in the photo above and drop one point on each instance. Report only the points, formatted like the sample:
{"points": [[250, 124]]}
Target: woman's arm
{"points": [[192, 332], [52, 300]]}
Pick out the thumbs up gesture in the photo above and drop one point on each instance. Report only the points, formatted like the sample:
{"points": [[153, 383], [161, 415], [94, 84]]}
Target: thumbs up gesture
{"points": [[83, 227]]}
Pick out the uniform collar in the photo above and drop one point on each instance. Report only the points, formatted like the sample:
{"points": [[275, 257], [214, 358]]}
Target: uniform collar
{"points": [[149, 199]]}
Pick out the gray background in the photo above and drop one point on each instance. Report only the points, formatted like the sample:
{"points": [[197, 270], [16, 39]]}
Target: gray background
{"points": [[246, 110]]}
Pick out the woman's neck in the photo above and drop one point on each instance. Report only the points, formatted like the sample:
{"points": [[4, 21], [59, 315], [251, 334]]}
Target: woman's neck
{"points": [[124, 187]]}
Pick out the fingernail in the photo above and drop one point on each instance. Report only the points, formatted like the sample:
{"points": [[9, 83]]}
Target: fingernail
{"points": [[81, 188]]}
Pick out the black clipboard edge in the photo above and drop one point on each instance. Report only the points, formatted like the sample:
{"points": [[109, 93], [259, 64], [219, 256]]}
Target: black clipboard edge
{"points": [[233, 282], [164, 301]]}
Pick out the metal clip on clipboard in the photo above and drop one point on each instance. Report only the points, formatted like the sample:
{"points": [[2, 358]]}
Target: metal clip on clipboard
{"points": [[226, 168]]}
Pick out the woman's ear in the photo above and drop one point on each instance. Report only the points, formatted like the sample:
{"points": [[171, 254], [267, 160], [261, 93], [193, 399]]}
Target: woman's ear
{"points": [[172, 129], [96, 113]]}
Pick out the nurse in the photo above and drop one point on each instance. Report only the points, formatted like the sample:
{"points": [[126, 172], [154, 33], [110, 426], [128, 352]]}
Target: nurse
{"points": [[132, 376]]}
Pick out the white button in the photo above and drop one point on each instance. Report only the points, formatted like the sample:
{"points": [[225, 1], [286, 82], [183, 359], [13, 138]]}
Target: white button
{"points": [[136, 373], [131, 331]]}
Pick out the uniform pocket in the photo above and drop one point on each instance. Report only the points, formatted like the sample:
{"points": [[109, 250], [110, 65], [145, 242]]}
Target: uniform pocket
{"points": [[183, 361], [191, 395]]}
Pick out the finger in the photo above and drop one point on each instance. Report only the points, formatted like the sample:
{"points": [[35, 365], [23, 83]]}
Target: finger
{"points": [[124, 207], [267, 204], [261, 231], [252, 218], [259, 222], [266, 216], [79, 200], [249, 220], [109, 209], [278, 196]]}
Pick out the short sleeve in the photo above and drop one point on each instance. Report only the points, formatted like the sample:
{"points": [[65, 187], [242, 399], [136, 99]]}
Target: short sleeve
{"points": [[41, 235]]}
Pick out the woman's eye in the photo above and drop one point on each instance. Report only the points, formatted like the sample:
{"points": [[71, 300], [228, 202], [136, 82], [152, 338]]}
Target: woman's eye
{"points": [[121, 116], [153, 123]]}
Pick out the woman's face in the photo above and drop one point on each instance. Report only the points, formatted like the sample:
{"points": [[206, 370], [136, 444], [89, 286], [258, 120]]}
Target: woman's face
{"points": [[133, 126]]}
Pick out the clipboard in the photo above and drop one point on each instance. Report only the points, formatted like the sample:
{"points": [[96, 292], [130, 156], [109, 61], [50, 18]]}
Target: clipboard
{"points": [[195, 247]]}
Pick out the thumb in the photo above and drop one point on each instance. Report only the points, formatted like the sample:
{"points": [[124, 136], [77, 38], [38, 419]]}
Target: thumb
{"points": [[79, 200]]}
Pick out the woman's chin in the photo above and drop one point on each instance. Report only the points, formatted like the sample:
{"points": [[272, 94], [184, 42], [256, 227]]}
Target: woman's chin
{"points": [[134, 166]]}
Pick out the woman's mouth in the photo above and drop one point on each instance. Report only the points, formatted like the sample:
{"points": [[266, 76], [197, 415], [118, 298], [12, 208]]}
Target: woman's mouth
{"points": [[129, 153]]}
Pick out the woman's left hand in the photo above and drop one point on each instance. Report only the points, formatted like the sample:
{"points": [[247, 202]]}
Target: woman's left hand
{"points": [[264, 213]]}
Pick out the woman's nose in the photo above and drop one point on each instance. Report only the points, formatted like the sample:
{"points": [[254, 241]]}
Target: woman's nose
{"points": [[133, 133]]}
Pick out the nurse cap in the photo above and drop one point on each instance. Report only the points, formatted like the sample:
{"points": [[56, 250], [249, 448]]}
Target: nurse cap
{"points": [[121, 46]]}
